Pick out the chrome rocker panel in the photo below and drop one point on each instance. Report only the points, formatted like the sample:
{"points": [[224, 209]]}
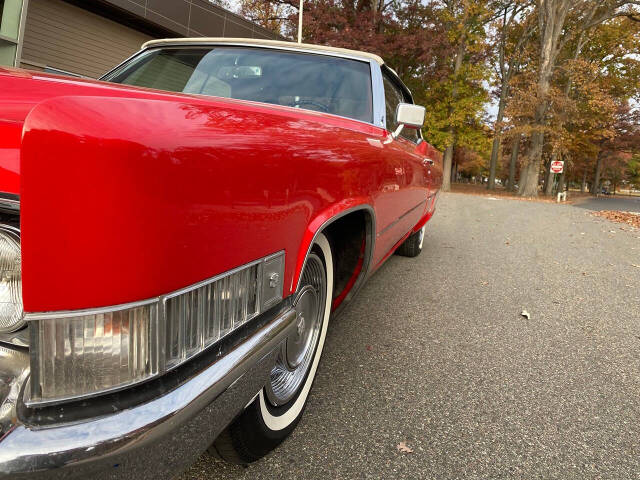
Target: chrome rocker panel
{"points": [[154, 440]]}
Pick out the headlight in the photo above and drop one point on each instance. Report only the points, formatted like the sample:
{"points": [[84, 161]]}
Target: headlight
{"points": [[79, 354], [11, 314]]}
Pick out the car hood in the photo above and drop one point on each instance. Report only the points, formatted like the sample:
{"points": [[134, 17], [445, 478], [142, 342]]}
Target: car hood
{"points": [[21, 91]]}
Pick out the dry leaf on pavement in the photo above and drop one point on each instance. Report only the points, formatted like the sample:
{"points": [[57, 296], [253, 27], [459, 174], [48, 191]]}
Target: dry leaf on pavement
{"points": [[526, 314], [404, 448]]}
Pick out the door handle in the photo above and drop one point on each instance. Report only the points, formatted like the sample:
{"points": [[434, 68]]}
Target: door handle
{"points": [[428, 161]]}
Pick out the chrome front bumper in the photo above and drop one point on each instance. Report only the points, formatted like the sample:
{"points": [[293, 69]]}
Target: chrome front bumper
{"points": [[154, 440]]}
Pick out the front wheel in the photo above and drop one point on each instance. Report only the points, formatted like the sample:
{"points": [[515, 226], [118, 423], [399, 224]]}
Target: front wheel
{"points": [[277, 409], [412, 246]]}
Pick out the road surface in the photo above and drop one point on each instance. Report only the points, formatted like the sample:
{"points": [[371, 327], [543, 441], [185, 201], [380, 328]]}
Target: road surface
{"points": [[611, 202], [434, 352]]}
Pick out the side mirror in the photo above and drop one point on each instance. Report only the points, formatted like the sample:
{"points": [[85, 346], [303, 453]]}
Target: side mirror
{"points": [[410, 116]]}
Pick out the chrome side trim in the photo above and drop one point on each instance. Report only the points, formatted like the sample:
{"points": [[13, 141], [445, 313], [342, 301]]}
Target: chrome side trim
{"points": [[379, 109], [370, 237], [381, 232]]}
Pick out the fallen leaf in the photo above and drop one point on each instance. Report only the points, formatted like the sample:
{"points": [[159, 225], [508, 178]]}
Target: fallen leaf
{"points": [[404, 448], [369, 347], [526, 314]]}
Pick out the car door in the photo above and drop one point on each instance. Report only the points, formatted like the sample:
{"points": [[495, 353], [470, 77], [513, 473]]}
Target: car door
{"points": [[410, 198], [390, 204]]}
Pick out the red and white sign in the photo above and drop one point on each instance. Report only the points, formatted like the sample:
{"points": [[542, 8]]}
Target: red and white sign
{"points": [[557, 166]]}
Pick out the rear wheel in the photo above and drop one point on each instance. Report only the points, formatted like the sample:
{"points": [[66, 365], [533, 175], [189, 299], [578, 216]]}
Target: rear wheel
{"points": [[412, 246], [277, 409]]}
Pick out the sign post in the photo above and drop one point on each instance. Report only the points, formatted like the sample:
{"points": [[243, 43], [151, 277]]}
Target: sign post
{"points": [[557, 166]]}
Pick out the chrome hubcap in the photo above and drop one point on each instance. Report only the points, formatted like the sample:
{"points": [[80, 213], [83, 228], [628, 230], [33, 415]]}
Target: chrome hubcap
{"points": [[421, 237], [298, 344], [296, 355]]}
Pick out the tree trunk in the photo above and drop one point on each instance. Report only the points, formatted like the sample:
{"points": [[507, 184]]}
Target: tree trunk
{"points": [[561, 181], [550, 177], [596, 180], [446, 168], [515, 148], [454, 172], [529, 176], [448, 153], [495, 149], [529, 171], [551, 24], [583, 187], [548, 186]]}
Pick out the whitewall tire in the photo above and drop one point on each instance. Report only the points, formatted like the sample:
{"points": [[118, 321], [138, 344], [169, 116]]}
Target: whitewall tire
{"points": [[278, 407]]}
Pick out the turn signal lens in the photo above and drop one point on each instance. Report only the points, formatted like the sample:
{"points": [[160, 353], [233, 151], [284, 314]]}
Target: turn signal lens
{"points": [[74, 355], [89, 354], [11, 313], [199, 317]]}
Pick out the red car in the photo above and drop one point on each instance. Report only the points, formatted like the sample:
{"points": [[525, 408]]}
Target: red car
{"points": [[175, 238]]}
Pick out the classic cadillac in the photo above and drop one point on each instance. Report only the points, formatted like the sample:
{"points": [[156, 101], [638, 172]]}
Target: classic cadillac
{"points": [[175, 238]]}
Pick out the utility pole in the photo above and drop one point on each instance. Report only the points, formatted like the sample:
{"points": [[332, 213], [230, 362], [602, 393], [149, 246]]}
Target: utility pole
{"points": [[300, 23]]}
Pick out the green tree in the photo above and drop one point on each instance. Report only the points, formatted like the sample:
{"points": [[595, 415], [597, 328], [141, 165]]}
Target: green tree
{"points": [[456, 100]]}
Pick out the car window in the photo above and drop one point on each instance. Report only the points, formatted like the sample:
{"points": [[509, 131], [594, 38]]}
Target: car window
{"points": [[314, 82], [393, 96]]}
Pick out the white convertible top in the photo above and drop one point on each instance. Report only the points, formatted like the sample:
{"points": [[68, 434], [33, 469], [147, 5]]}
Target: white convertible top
{"points": [[262, 43]]}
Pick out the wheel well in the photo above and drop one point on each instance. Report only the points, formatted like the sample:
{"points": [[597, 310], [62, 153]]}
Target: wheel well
{"points": [[351, 242]]}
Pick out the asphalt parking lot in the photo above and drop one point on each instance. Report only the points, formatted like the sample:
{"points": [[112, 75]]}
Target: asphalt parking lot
{"points": [[624, 203], [435, 353]]}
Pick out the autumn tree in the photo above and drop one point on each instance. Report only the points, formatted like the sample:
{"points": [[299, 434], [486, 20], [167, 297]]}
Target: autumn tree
{"points": [[456, 100], [594, 89], [272, 15], [510, 33], [559, 21]]}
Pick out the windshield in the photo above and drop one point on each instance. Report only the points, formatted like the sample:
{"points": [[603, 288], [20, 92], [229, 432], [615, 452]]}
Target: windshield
{"points": [[314, 82]]}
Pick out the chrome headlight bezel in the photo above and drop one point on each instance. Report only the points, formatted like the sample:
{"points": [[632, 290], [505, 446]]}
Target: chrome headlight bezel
{"points": [[10, 237]]}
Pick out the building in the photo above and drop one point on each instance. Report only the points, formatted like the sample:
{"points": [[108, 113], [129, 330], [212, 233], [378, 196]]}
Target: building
{"points": [[89, 37]]}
